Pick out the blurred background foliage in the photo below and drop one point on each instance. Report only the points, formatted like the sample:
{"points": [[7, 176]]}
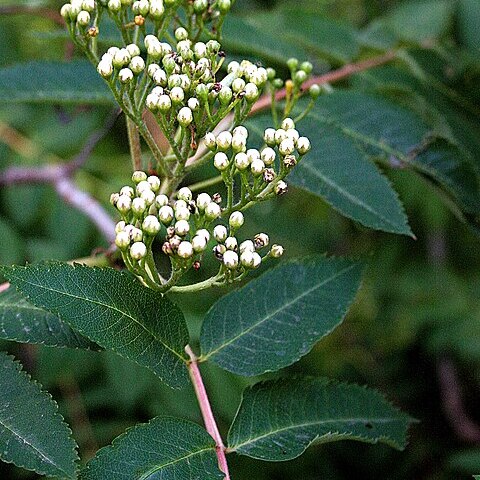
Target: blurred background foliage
{"points": [[415, 328]]}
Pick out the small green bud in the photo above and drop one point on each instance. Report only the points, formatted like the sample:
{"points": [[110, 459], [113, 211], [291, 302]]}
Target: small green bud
{"points": [[224, 6], [181, 34], [200, 6], [314, 91], [299, 77], [292, 64], [276, 251], [307, 67], [139, 176]]}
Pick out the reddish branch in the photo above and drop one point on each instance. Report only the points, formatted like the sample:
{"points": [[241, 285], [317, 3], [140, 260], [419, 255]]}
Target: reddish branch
{"points": [[206, 409], [59, 175], [4, 287], [451, 390]]}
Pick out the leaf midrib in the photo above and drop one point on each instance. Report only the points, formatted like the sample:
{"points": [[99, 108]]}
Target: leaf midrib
{"points": [[110, 307], [173, 462], [277, 310], [37, 451], [314, 423]]}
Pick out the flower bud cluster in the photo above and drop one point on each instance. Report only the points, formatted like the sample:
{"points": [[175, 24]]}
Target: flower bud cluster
{"points": [[186, 224], [125, 63], [79, 12], [258, 168]]}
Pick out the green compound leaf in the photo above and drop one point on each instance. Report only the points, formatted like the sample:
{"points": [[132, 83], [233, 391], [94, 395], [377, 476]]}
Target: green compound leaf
{"points": [[166, 448], [278, 420], [20, 321], [53, 82], [277, 318], [112, 309], [33, 434]]}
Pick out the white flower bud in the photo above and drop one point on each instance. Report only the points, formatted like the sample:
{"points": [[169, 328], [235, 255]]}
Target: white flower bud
{"points": [[148, 196], [185, 117], [152, 69], [251, 92], [287, 147], [199, 243], [288, 124], [127, 191], [224, 140], [124, 203], [210, 141], [139, 176], [152, 101], [303, 145], [230, 259], [66, 11], [182, 213], [160, 77], [276, 251], [165, 214], [122, 240], [231, 243], [136, 235], [161, 201], [236, 220], [247, 246], [157, 91], [233, 67], [120, 227], [203, 232], [133, 50], [180, 204], [268, 156], [157, 8], [221, 161], [142, 186], [154, 183], [242, 162], [184, 194], [139, 206], [138, 251], [250, 259], [125, 75], [240, 130], [112, 51], [181, 34], [213, 211], [121, 58], [154, 48], [177, 95], [293, 135], [193, 104], [238, 85], [164, 103], [185, 250], [239, 143], [151, 225], [257, 167], [203, 200], [137, 65], [200, 50], [220, 233], [105, 68], [83, 18], [280, 136], [182, 227], [269, 136]]}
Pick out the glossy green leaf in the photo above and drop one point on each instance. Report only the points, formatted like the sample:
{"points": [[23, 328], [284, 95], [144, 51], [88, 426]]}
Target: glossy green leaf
{"points": [[53, 82], [277, 318], [33, 434], [166, 448], [315, 33], [277, 420], [112, 309], [21, 321]]}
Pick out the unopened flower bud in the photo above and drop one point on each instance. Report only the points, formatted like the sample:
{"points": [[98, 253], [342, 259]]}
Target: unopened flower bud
{"points": [[280, 136], [193, 104], [114, 199], [182, 213], [199, 6], [138, 251], [185, 250], [181, 34], [286, 147], [269, 136], [242, 162], [247, 245], [239, 143], [276, 251], [299, 77], [160, 77], [142, 186], [236, 220], [288, 124], [105, 68], [157, 8], [210, 141], [251, 92], [120, 227], [137, 65], [185, 117], [151, 225], [125, 75], [220, 233], [269, 175], [203, 200], [257, 167], [199, 243], [164, 103], [184, 194], [230, 259], [307, 67], [221, 161], [314, 91], [121, 58], [139, 176], [139, 206], [212, 211], [122, 240], [177, 95], [290, 161], [66, 11], [165, 214], [161, 200], [83, 18], [154, 183], [127, 191], [133, 50], [231, 243], [250, 259], [224, 140], [303, 145], [292, 63], [238, 85], [224, 6], [182, 227], [124, 203], [203, 232]]}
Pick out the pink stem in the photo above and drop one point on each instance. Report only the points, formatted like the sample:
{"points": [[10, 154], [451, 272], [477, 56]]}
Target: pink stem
{"points": [[206, 409], [4, 287]]}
